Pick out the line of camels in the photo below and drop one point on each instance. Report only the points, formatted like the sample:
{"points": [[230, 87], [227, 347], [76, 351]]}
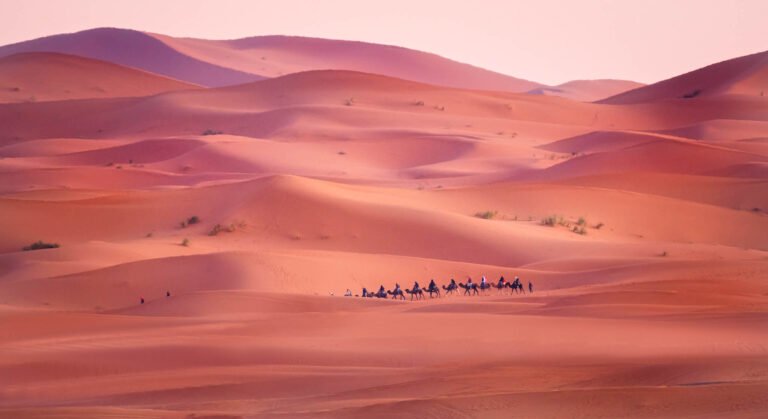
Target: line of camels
{"points": [[470, 288]]}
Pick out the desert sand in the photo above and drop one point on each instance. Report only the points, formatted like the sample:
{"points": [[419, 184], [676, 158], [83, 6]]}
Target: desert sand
{"points": [[650, 291]]}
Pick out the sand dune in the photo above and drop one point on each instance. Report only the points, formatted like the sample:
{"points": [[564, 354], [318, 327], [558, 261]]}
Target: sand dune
{"points": [[588, 90], [640, 223], [133, 49], [274, 56], [32, 77], [746, 75]]}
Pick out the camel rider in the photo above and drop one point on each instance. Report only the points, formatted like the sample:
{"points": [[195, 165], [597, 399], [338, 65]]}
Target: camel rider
{"points": [[530, 287], [453, 283], [469, 282], [382, 290], [397, 288], [482, 282], [501, 282], [365, 292], [432, 284], [416, 286]]}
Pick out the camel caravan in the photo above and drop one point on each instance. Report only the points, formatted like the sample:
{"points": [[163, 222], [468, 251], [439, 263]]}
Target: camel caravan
{"points": [[502, 286]]}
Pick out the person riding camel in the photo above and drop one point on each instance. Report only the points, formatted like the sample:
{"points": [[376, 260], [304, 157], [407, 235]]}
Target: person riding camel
{"points": [[453, 283], [348, 293], [482, 282], [365, 292], [382, 291], [416, 287], [469, 281], [432, 285]]}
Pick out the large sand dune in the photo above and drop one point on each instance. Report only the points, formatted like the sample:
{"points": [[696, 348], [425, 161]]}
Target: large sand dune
{"points": [[34, 77], [650, 296]]}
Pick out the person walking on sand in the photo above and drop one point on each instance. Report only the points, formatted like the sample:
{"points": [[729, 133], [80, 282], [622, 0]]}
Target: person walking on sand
{"points": [[530, 287], [142, 300], [167, 294]]}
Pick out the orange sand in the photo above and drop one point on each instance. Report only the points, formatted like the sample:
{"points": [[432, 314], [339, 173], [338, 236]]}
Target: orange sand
{"points": [[339, 179]]}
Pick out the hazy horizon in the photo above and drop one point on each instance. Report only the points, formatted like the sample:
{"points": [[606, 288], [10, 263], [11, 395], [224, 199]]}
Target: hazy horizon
{"points": [[548, 42]]}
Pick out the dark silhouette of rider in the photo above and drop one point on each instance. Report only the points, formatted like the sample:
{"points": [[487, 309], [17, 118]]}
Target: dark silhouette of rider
{"points": [[530, 287], [432, 284], [365, 292], [416, 286]]}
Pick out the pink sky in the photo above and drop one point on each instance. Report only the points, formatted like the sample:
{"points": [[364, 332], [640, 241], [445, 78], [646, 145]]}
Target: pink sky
{"points": [[544, 40]]}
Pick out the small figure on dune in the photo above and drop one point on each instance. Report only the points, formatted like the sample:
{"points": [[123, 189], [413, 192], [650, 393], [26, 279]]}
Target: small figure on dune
{"points": [[167, 294], [530, 287], [142, 300], [348, 293], [365, 292]]}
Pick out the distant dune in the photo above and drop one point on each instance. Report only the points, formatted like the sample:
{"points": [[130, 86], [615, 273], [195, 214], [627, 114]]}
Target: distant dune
{"points": [[747, 75], [588, 90], [273, 56], [220, 63], [134, 49], [43, 76]]}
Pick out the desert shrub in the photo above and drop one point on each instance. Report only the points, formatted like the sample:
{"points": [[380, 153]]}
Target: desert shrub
{"points": [[598, 226], [190, 221], [185, 242], [218, 228], [40, 245], [691, 95], [579, 230], [550, 220], [342, 153], [582, 221], [440, 108], [419, 103], [212, 132], [349, 102], [663, 254], [486, 215]]}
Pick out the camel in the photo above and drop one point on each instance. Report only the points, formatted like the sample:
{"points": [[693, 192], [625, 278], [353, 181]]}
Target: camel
{"points": [[500, 286], [415, 292], [451, 288], [433, 290], [516, 286], [473, 288], [483, 286], [397, 293]]}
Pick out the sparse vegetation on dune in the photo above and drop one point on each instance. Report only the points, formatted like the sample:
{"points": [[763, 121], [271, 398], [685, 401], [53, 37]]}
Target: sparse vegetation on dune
{"points": [[190, 221], [38, 245], [185, 242], [486, 215], [212, 132], [229, 228]]}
